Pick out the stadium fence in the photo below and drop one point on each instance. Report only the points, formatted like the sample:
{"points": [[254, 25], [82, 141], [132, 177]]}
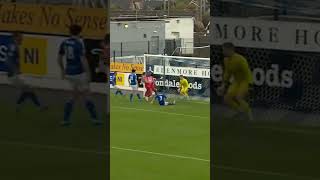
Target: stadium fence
{"points": [[174, 47]]}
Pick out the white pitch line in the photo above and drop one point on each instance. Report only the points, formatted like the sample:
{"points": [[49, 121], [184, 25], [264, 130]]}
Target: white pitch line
{"points": [[288, 130], [199, 102], [160, 154], [56, 148], [250, 171], [68, 149], [162, 112], [269, 173]]}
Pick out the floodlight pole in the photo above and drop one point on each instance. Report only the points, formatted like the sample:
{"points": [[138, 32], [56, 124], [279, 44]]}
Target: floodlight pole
{"points": [[169, 7], [200, 7]]}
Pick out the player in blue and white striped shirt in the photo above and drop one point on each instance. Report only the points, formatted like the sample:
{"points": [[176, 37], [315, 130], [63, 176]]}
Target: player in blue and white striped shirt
{"points": [[133, 82], [10, 62], [77, 72], [162, 99], [114, 84]]}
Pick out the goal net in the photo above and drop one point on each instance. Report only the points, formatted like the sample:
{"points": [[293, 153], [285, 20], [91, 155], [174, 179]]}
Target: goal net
{"points": [[286, 71], [128, 59], [280, 40], [167, 70], [203, 51]]}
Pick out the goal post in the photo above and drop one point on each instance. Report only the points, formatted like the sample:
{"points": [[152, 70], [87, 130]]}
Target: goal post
{"points": [[167, 69], [184, 50]]}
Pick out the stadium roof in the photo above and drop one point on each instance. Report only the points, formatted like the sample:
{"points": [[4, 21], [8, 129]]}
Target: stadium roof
{"points": [[311, 7], [145, 18]]}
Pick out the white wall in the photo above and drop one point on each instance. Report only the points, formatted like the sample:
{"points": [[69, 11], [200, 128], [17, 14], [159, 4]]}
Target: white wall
{"points": [[185, 28], [134, 41]]}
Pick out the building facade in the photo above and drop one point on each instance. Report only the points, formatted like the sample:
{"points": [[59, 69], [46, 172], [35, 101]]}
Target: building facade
{"points": [[181, 29], [137, 37]]}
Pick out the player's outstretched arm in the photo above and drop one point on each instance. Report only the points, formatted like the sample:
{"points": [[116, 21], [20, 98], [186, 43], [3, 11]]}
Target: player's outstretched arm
{"points": [[226, 72], [187, 84], [226, 78], [61, 54], [60, 63], [12, 66]]}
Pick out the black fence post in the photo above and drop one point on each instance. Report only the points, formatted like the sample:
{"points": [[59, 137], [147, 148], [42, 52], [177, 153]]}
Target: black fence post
{"points": [[114, 56], [148, 47], [174, 46], [121, 46], [198, 45], [276, 15]]}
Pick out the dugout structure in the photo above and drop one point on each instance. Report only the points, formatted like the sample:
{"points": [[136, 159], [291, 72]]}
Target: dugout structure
{"points": [[167, 70]]}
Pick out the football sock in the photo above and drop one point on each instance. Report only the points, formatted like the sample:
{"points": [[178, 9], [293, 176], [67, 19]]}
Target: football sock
{"points": [[34, 99], [119, 92], [92, 109], [22, 98], [234, 104], [67, 110], [131, 97], [244, 106]]}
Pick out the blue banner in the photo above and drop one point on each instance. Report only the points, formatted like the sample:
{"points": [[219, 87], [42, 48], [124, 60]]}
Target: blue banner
{"points": [[4, 47]]}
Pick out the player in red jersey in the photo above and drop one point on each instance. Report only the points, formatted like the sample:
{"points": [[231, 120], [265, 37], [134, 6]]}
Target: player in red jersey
{"points": [[149, 85], [154, 83]]}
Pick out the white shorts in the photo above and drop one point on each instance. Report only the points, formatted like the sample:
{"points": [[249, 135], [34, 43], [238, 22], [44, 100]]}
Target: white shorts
{"points": [[134, 87], [165, 104], [79, 81], [17, 81]]}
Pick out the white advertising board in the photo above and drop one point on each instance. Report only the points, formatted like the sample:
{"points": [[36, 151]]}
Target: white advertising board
{"points": [[295, 36]]}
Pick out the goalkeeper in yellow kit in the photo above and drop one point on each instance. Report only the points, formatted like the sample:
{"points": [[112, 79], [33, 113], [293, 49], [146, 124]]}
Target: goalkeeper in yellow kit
{"points": [[237, 70], [184, 86]]}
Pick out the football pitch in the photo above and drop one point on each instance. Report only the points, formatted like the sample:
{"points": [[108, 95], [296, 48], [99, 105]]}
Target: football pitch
{"points": [[264, 150], [149, 142], [35, 146]]}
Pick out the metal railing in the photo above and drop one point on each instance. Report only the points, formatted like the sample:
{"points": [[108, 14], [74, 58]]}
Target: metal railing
{"points": [[80, 3], [197, 47], [260, 7]]}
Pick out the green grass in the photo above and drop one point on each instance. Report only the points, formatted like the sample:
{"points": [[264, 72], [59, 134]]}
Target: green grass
{"points": [[264, 151], [155, 137], [34, 146]]}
